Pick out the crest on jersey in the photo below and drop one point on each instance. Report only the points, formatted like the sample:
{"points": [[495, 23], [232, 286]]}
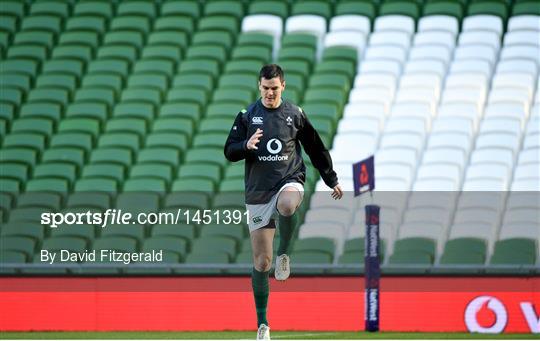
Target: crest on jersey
{"points": [[257, 120], [289, 120]]}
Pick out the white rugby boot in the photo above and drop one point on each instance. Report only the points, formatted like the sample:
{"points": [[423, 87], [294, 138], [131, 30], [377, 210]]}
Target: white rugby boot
{"points": [[283, 269], [263, 333]]}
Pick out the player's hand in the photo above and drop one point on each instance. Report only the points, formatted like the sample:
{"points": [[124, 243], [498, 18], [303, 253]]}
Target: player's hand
{"points": [[254, 139], [337, 193]]}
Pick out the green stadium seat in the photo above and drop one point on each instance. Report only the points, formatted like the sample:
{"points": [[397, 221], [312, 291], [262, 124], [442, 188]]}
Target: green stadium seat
{"points": [[163, 51], [209, 51], [79, 125], [271, 7], [24, 156], [405, 8], [96, 185], [223, 110], [13, 170], [11, 257], [246, 66], [229, 201], [26, 214], [215, 125], [48, 185], [42, 22], [20, 244], [194, 185], [43, 38], [126, 52], [235, 170], [132, 38], [450, 8], [315, 244], [127, 125], [168, 139], [213, 38], [189, 8], [215, 244], [215, 140], [149, 80], [42, 126], [188, 95], [206, 65], [464, 251], [174, 125], [343, 67], [123, 140], [70, 155], [91, 200], [488, 7], [83, 231], [145, 95], [60, 9], [525, 8], [206, 171], [15, 80], [64, 81], [110, 171], [137, 8], [168, 156], [91, 23], [186, 232], [25, 140], [12, 96], [364, 8], [166, 243], [96, 94], [152, 170], [78, 52], [226, 8], [514, 251], [340, 53], [187, 200], [75, 38], [10, 185], [24, 66], [8, 24], [175, 23], [54, 95], [313, 7], [204, 258], [243, 96], [310, 257], [99, 8], [120, 244], [219, 23], [340, 82], [326, 95], [302, 53], [25, 229], [94, 110], [164, 67], [322, 110], [13, 8], [237, 232], [33, 52], [7, 111], [261, 54], [56, 169], [62, 65], [199, 80], [176, 38], [232, 185], [133, 231], [109, 66], [299, 39], [131, 22], [116, 155]]}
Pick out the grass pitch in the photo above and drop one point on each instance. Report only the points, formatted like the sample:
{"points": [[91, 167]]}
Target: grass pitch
{"points": [[234, 335]]}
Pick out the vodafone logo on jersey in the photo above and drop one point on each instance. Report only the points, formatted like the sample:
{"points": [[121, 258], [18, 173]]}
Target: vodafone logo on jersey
{"points": [[274, 146]]}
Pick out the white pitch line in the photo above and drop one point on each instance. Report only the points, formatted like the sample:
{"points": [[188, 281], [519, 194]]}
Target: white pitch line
{"points": [[299, 336]]}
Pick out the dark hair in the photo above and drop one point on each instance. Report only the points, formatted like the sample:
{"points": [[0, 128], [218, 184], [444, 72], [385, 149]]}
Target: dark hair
{"points": [[270, 71]]}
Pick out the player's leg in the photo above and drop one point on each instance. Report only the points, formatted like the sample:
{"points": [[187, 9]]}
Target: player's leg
{"points": [[261, 244], [288, 201]]}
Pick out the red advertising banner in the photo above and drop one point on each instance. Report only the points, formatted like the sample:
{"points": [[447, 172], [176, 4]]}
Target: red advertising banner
{"points": [[423, 304]]}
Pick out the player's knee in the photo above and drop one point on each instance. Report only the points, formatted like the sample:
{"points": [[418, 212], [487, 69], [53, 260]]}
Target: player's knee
{"points": [[286, 207], [263, 262]]}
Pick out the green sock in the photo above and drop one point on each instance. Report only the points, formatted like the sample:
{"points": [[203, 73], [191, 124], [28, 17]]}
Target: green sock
{"points": [[259, 283], [286, 228]]}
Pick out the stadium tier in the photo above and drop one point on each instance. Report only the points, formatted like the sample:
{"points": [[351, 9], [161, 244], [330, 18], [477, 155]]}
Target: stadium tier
{"points": [[127, 105]]}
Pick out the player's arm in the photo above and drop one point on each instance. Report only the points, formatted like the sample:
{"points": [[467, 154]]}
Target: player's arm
{"points": [[317, 152], [235, 146]]}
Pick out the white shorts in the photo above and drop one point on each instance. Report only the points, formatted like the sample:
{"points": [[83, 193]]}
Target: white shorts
{"points": [[260, 215]]}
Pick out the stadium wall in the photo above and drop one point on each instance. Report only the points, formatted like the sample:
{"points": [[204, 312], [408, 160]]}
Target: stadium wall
{"points": [[425, 304]]}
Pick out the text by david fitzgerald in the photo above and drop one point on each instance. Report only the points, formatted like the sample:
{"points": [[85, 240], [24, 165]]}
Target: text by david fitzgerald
{"points": [[101, 256]]}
